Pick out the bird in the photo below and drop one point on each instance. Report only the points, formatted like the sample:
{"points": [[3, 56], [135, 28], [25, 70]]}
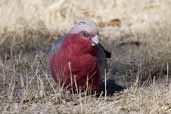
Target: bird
{"points": [[77, 60]]}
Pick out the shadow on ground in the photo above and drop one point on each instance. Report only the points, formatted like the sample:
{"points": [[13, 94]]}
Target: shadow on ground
{"points": [[110, 87]]}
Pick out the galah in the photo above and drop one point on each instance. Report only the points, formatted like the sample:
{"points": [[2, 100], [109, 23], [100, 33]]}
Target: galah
{"points": [[77, 60]]}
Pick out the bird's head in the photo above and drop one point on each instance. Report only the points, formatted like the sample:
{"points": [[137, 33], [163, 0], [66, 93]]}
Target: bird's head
{"points": [[87, 30]]}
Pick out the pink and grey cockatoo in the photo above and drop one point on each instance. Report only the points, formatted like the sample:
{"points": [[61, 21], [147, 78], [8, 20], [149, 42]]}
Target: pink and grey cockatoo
{"points": [[78, 60]]}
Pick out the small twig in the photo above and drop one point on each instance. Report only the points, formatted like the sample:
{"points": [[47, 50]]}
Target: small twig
{"points": [[105, 85]]}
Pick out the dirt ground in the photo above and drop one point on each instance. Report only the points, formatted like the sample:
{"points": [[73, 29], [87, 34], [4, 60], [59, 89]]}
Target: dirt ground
{"points": [[136, 32]]}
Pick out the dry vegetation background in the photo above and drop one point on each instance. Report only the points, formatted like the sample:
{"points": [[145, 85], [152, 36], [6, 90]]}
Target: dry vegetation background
{"points": [[140, 41]]}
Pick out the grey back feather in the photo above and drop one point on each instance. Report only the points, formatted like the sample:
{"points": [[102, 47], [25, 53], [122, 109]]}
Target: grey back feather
{"points": [[55, 46], [101, 60]]}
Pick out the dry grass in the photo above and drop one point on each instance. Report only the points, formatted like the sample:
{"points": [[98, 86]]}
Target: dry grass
{"points": [[139, 40]]}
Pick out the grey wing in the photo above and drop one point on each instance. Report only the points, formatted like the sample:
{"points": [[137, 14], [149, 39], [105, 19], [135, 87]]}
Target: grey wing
{"points": [[101, 60], [55, 46]]}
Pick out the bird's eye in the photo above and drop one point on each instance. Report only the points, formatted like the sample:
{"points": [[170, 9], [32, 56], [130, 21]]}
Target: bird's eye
{"points": [[85, 33]]}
